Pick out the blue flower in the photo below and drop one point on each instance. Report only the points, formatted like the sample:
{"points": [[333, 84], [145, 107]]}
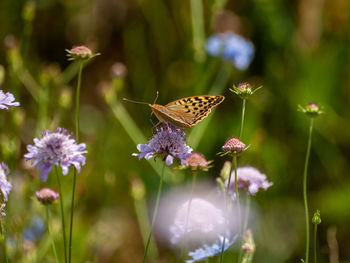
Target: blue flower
{"points": [[214, 249], [35, 230], [5, 186], [56, 148], [7, 100], [231, 47], [168, 142]]}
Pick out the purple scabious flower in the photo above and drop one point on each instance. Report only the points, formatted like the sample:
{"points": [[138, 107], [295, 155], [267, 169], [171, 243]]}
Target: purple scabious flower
{"points": [[5, 186], [249, 178], [168, 142], [56, 148], [214, 249], [231, 47], [7, 99]]}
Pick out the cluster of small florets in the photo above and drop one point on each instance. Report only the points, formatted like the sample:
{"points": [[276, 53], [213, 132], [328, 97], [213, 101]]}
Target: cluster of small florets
{"points": [[56, 148], [168, 142]]}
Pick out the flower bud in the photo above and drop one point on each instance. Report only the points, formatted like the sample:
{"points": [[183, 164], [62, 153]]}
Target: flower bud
{"points": [[196, 161], [244, 90], [80, 53], [312, 109], [233, 146], [46, 196], [316, 219]]}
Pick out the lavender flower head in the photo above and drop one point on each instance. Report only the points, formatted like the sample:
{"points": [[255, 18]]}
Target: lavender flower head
{"points": [[204, 218], [5, 186], [231, 47], [249, 178], [56, 148], [214, 249], [168, 142], [7, 99]]}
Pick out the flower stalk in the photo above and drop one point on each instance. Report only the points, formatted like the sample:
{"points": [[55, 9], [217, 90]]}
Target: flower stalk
{"points": [[305, 192], [77, 131], [154, 213], [62, 216]]}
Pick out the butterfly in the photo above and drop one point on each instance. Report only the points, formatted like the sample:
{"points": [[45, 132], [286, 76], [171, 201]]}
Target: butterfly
{"points": [[186, 112]]}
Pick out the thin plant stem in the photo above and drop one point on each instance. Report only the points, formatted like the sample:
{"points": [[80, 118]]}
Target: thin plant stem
{"points": [[77, 101], [242, 119], [184, 245], [315, 239], [50, 235], [154, 213], [4, 240], [226, 195], [245, 224], [62, 215], [77, 130], [305, 192], [72, 215], [237, 193]]}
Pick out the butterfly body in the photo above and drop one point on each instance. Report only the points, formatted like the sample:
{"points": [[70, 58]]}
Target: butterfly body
{"points": [[186, 112]]}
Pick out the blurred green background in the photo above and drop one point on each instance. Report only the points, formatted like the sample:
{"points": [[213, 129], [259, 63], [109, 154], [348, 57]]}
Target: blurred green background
{"points": [[302, 55]]}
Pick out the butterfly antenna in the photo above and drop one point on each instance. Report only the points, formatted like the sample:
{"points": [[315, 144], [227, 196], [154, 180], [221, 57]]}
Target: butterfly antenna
{"points": [[138, 102], [156, 97]]}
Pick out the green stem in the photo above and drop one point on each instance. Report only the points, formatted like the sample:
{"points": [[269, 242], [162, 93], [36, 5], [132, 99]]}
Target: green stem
{"points": [[315, 235], [4, 240], [48, 229], [305, 192], [77, 101], [142, 218], [72, 215], [226, 196], [77, 130], [62, 216], [237, 193], [184, 245], [242, 120], [154, 213], [246, 216]]}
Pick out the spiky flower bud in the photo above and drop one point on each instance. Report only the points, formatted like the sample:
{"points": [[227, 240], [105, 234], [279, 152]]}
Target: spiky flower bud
{"points": [[316, 219], [46, 196], [196, 162], [312, 109], [80, 53], [244, 90], [233, 146]]}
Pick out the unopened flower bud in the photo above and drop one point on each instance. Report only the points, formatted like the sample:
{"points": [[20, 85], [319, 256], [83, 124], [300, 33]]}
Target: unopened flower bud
{"points": [[196, 161], [80, 53], [46, 196], [316, 219], [233, 146], [244, 90], [312, 109]]}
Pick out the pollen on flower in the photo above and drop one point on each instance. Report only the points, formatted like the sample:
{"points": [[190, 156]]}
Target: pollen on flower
{"points": [[46, 196], [56, 148], [168, 142]]}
